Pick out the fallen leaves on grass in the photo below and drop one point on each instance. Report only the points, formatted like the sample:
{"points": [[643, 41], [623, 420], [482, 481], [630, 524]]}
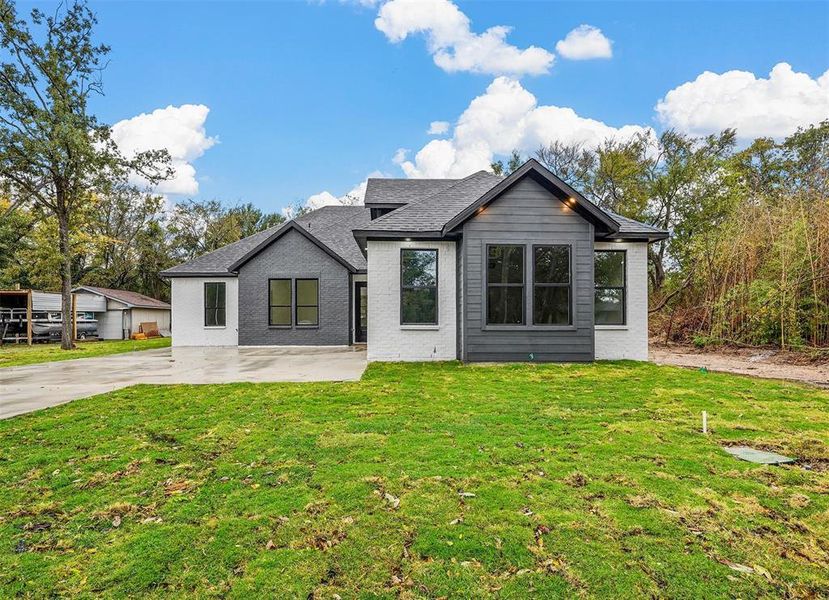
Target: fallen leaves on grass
{"points": [[643, 501], [316, 507], [174, 487], [324, 540], [99, 478], [799, 501], [745, 569], [576, 479]]}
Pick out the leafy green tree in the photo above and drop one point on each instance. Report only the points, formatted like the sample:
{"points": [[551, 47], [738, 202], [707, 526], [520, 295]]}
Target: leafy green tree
{"points": [[120, 216], [15, 227], [515, 161], [247, 219], [672, 181], [53, 152], [199, 227], [152, 255]]}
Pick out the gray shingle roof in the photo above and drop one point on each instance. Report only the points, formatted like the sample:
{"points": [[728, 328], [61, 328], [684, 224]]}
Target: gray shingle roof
{"points": [[218, 261], [127, 297], [403, 191], [427, 206], [334, 226], [433, 212], [331, 225], [631, 227], [439, 202]]}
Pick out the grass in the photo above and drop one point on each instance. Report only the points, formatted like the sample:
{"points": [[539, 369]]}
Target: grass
{"points": [[16, 355], [422, 480]]}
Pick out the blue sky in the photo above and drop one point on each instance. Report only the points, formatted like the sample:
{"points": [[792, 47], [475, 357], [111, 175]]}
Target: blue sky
{"points": [[306, 97]]}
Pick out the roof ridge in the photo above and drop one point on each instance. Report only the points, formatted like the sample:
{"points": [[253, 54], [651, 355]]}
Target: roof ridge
{"points": [[414, 178], [402, 210], [324, 225]]}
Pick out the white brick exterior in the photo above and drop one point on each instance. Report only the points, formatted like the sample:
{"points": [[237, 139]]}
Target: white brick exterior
{"points": [[630, 341], [387, 339], [188, 313]]}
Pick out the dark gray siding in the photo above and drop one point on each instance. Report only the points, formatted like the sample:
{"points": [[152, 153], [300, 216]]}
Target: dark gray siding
{"points": [[293, 256], [527, 214]]}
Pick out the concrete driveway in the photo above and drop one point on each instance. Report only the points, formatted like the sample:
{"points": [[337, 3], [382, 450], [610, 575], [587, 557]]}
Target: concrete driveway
{"points": [[24, 389]]}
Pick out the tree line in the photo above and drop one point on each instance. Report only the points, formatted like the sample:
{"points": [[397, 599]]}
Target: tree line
{"points": [[747, 261], [121, 240], [69, 212]]}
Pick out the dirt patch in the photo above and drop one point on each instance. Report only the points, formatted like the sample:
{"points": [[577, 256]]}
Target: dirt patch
{"points": [[757, 363]]}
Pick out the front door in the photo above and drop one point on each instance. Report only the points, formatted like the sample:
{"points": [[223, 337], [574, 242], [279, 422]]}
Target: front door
{"points": [[360, 312]]}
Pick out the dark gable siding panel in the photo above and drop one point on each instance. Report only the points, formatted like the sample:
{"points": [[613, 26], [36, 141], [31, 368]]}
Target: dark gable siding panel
{"points": [[293, 256], [527, 214]]}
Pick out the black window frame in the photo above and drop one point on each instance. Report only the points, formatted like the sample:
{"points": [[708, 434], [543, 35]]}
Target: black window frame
{"points": [[222, 285], [419, 287], [297, 305], [289, 306], [623, 288], [522, 285], [568, 285]]}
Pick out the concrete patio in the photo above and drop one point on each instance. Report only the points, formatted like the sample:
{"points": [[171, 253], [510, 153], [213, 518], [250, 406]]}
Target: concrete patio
{"points": [[32, 387]]}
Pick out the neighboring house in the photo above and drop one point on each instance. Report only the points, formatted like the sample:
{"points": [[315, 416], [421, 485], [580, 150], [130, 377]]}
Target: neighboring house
{"points": [[125, 311], [483, 268]]}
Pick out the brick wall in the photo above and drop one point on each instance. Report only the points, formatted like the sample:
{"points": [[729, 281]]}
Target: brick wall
{"points": [[188, 329], [293, 256], [387, 339], [630, 341]]}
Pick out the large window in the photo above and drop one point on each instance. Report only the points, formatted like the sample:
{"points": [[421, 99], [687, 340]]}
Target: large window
{"points": [[214, 304], [551, 285], [505, 285], [610, 287], [307, 302], [418, 287], [279, 302]]}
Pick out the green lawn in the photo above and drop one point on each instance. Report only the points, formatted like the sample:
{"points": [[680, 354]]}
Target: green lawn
{"points": [[422, 480], [15, 355]]}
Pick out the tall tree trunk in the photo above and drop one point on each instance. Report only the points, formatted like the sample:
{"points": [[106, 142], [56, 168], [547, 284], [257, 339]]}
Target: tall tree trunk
{"points": [[66, 341], [657, 273]]}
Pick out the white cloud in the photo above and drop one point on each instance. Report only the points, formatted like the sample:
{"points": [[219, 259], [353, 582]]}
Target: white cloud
{"points": [[363, 3], [438, 127], [585, 42], [506, 116], [179, 129], [322, 199], [400, 155], [453, 45], [354, 196], [755, 107]]}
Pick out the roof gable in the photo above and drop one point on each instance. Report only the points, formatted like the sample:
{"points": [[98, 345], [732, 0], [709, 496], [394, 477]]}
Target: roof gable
{"points": [[289, 226], [130, 299], [566, 194], [329, 227]]}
